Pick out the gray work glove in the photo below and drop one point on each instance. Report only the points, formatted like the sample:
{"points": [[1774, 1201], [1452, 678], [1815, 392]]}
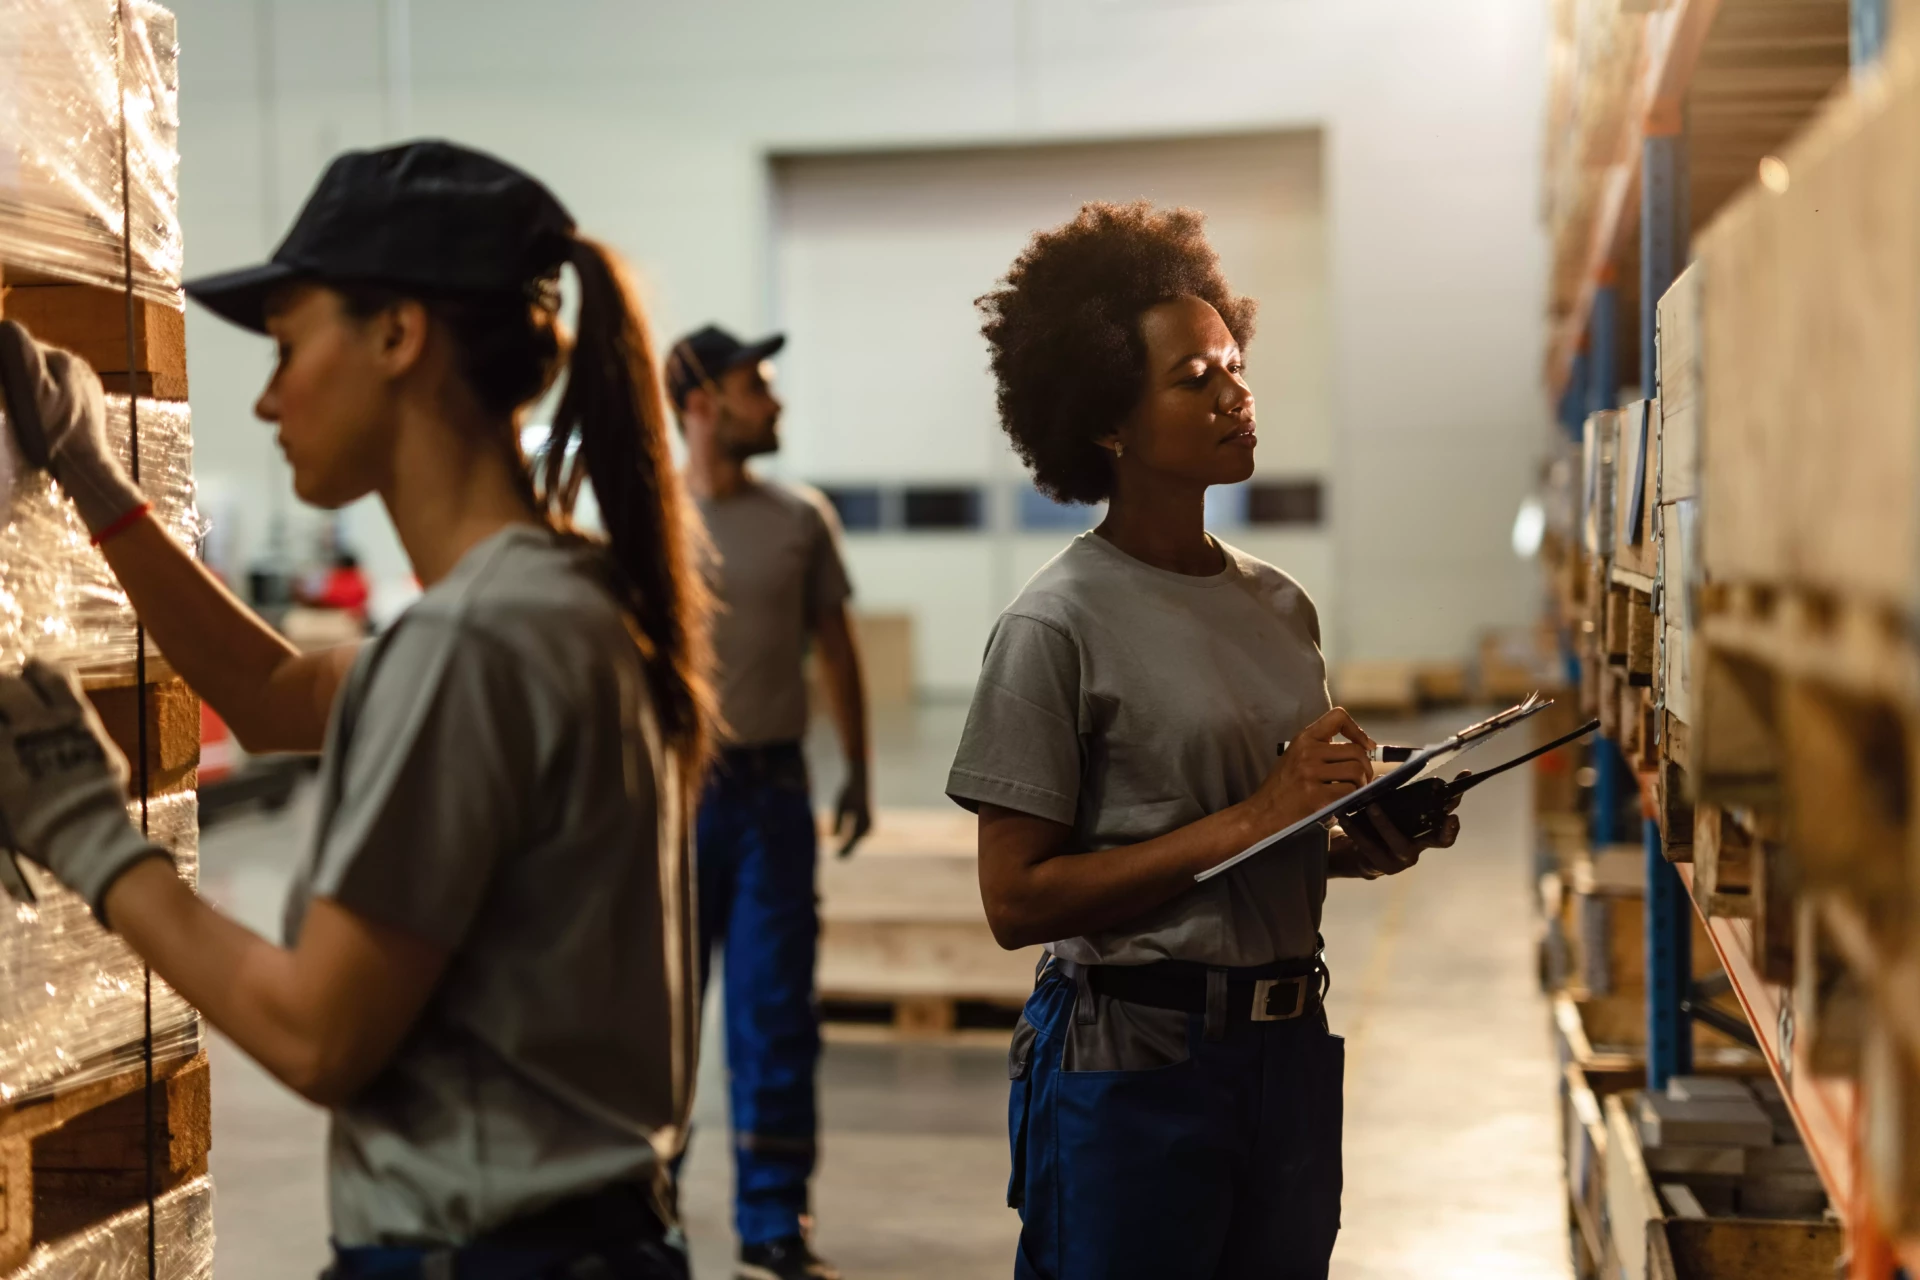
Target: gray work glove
{"points": [[63, 787], [59, 417]]}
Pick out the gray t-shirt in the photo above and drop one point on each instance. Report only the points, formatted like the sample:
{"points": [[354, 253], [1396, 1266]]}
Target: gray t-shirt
{"points": [[494, 782], [778, 572], [1129, 701]]}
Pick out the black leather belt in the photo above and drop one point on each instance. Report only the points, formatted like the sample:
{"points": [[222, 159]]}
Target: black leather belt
{"points": [[1294, 989]]}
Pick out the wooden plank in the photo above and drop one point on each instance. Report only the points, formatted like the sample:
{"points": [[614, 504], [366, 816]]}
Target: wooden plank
{"points": [[1775, 895], [880, 959], [1723, 858], [1584, 1140], [72, 1160], [1736, 754], [1745, 1249], [92, 323], [1679, 344], [1632, 1201], [1643, 639], [924, 1016], [1675, 679], [1675, 809], [173, 729], [1636, 458]]}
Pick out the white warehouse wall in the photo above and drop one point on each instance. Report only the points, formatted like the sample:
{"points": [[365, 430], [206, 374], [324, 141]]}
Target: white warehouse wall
{"points": [[655, 123], [878, 256]]}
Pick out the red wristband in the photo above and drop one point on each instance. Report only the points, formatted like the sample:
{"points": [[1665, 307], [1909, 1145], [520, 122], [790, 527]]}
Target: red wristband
{"points": [[123, 524]]}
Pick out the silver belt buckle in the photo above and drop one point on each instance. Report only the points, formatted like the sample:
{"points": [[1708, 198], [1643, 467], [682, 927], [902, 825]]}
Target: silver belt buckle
{"points": [[1263, 996]]}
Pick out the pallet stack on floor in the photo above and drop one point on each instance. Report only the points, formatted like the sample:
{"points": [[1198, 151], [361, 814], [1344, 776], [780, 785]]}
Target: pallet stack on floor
{"points": [[104, 1099], [903, 935]]}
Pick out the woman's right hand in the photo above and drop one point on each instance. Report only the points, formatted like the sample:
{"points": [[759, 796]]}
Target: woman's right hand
{"points": [[58, 415], [1314, 772]]}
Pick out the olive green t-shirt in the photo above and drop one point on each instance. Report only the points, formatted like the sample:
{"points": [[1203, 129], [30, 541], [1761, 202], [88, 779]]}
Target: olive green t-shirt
{"points": [[494, 782], [1127, 702], [776, 572]]}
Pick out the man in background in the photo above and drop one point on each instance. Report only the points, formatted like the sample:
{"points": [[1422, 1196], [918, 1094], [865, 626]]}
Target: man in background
{"points": [[781, 584]]}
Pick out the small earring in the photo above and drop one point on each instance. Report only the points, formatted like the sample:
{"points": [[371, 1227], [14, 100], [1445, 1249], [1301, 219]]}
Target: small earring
{"points": [[1119, 451]]}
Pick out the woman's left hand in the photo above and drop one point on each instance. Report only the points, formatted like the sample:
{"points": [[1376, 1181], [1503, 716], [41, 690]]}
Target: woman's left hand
{"points": [[1376, 847]]}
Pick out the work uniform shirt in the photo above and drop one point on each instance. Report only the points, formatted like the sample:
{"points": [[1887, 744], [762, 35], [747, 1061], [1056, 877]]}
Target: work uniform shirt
{"points": [[776, 571], [1127, 702], [494, 782]]}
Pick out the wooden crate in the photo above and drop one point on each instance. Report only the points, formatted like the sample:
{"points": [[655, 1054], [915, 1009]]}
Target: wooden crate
{"points": [[1808, 711], [1810, 398], [71, 1161], [1647, 1241]]}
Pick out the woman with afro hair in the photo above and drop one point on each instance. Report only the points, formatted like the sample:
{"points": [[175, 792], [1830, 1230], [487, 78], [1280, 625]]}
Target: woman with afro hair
{"points": [[1176, 1094]]}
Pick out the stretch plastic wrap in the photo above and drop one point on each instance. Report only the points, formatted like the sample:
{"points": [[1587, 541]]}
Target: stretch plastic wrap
{"points": [[117, 1248], [72, 996], [61, 83], [58, 599]]}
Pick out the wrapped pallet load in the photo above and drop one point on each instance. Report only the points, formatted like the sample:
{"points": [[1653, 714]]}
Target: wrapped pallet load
{"points": [[91, 1163]]}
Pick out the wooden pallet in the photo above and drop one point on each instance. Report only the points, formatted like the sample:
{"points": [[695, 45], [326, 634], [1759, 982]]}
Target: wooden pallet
{"points": [[902, 927], [1810, 716], [80, 1157], [92, 323], [172, 713]]}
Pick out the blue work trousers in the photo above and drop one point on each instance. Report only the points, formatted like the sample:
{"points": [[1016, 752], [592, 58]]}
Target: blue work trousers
{"points": [[756, 852], [645, 1259], [1219, 1160]]}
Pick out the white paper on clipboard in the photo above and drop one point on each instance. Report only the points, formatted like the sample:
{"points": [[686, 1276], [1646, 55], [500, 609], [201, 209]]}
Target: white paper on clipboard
{"points": [[1426, 760]]}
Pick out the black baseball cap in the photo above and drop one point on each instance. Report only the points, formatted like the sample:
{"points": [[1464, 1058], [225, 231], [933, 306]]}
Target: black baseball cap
{"points": [[706, 354], [431, 215]]}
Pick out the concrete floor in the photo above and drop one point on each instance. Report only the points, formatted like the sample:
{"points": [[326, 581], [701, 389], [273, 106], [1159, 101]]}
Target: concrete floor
{"points": [[1452, 1165]]}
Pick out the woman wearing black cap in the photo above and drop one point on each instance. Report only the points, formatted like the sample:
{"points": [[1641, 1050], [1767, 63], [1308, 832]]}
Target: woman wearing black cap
{"points": [[488, 952]]}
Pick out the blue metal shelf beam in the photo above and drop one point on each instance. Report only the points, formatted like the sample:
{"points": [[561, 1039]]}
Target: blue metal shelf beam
{"points": [[1664, 228]]}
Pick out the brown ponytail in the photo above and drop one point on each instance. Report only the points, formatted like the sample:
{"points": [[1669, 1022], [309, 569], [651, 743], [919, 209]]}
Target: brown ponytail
{"points": [[509, 352], [613, 404]]}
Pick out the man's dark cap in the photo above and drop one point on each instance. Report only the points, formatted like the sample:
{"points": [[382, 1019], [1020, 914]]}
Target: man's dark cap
{"points": [[705, 355], [428, 216]]}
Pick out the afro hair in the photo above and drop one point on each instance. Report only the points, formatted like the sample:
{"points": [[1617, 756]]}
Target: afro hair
{"points": [[1064, 328]]}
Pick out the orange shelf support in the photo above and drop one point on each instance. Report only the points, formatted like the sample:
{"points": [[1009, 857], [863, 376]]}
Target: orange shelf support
{"points": [[1825, 1109]]}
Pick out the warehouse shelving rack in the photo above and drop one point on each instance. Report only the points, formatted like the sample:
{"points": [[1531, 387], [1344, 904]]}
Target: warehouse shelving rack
{"points": [[1718, 85]]}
